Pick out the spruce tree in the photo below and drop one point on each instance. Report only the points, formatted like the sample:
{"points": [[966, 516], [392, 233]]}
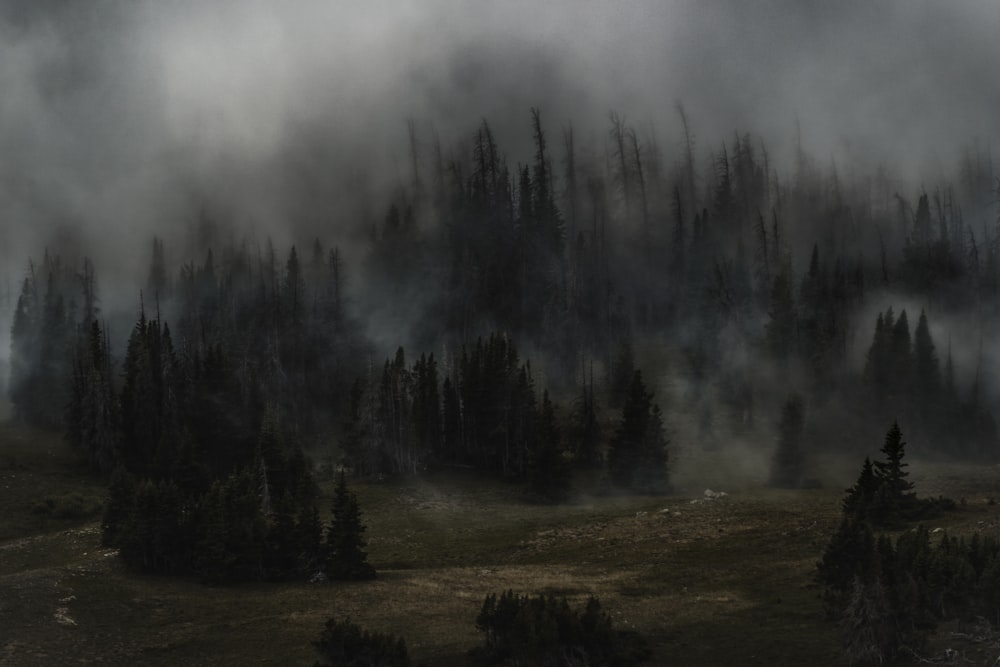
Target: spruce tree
{"points": [[585, 429], [900, 359], [858, 502], [345, 545], [895, 496], [549, 471], [782, 319], [637, 456], [876, 372], [786, 467], [926, 376]]}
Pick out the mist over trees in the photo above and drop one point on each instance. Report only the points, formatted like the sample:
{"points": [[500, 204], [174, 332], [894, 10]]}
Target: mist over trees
{"points": [[561, 292], [747, 278]]}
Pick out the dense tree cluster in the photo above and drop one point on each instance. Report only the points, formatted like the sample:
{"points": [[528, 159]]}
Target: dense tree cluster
{"points": [[257, 521], [545, 630], [486, 413], [903, 377], [741, 278], [345, 644], [42, 335], [890, 594], [726, 262], [517, 629]]}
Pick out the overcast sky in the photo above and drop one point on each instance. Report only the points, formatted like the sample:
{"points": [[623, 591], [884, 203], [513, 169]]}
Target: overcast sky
{"points": [[118, 117]]}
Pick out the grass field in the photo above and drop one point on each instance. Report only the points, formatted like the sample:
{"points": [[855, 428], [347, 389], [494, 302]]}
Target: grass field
{"points": [[708, 582]]}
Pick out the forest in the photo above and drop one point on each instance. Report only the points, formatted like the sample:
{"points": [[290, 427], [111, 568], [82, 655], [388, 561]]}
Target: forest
{"points": [[616, 311], [241, 361]]}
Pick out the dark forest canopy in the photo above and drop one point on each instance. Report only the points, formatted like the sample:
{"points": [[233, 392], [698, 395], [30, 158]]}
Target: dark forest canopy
{"points": [[497, 257], [748, 277]]}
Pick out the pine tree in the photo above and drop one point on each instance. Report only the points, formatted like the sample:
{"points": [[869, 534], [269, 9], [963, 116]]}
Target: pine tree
{"points": [[858, 502], [926, 374], [345, 545], [585, 430], [901, 359], [344, 644], [426, 406], [118, 508], [653, 473], [876, 372], [895, 496], [549, 472], [452, 423], [786, 467], [637, 456], [782, 319]]}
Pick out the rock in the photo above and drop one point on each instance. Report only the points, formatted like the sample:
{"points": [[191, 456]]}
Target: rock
{"points": [[62, 616]]}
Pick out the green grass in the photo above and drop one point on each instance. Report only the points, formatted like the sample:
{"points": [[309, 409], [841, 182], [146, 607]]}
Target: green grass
{"points": [[708, 583]]}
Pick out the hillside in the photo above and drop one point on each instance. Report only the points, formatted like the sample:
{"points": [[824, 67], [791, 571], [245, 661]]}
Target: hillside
{"points": [[701, 578]]}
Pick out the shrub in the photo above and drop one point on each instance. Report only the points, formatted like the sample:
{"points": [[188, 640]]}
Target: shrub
{"points": [[544, 630], [69, 506], [345, 644]]}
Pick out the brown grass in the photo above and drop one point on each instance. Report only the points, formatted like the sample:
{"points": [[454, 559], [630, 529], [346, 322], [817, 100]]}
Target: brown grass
{"points": [[707, 582]]}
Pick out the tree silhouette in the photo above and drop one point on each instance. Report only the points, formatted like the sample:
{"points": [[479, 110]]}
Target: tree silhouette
{"points": [[345, 545]]}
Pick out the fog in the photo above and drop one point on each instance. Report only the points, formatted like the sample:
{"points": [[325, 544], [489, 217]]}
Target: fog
{"points": [[120, 120]]}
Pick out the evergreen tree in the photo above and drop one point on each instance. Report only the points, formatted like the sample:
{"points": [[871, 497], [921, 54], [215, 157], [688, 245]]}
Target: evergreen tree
{"points": [[926, 374], [549, 472], [877, 361], [858, 503], [786, 467], [585, 429], [345, 545], [781, 326], [895, 496], [637, 456], [92, 414], [24, 348], [452, 423], [427, 425], [118, 507], [901, 360], [344, 644]]}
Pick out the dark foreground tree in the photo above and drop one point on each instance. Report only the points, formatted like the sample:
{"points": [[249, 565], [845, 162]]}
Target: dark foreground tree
{"points": [[345, 544]]}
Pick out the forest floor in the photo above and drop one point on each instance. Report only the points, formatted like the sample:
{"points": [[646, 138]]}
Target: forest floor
{"points": [[707, 581]]}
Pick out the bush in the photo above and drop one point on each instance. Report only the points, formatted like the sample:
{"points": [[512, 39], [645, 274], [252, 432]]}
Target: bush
{"points": [[544, 630], [69, 506], [345, 644]]}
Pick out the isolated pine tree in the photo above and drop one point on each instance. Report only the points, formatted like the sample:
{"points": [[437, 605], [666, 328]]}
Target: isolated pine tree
{"points": [[345, 545], [894, 497]]}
